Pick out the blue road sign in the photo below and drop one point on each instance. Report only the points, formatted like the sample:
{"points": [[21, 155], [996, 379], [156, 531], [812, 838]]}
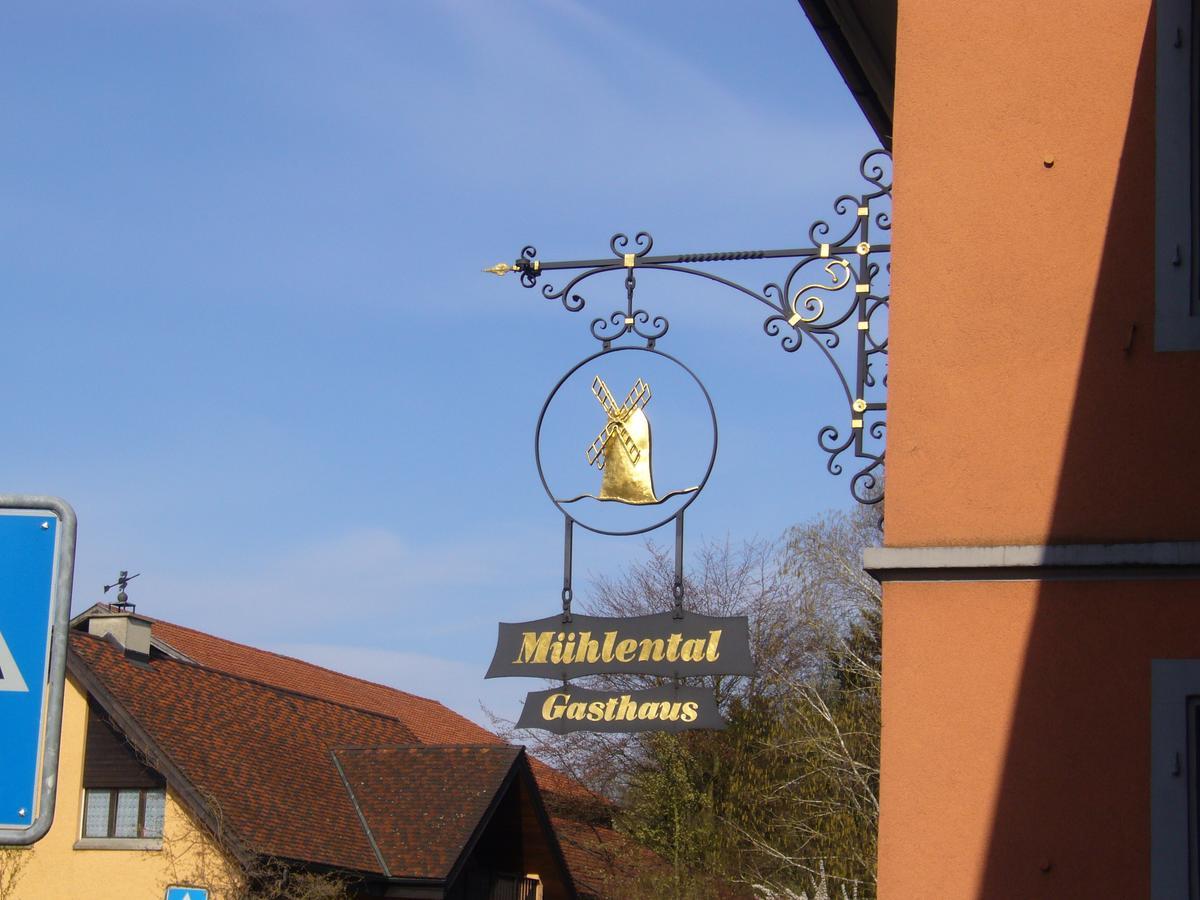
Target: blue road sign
{"points": [[37, 549], [186, 893]]}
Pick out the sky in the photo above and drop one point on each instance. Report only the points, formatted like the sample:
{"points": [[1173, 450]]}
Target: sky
{"points": [[247, 336]]}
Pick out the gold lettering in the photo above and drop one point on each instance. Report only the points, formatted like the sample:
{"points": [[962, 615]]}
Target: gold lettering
{"points": [[610, 710], [569, 649], [628, 709], [711, 653], [670, 712], [648, 710], [589, 649], [693, 650], [556, 649], [673, 647], [534, 645], [626, 649], [690, 711], [576, 710], [553, 709], [595, 711], [610, 638], [651, 648]]}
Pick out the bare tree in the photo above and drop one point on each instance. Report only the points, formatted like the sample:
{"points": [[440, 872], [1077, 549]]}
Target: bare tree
{"points": [[211, 856], [725, 579], [825, 805], [789, 792], [13, 861]]}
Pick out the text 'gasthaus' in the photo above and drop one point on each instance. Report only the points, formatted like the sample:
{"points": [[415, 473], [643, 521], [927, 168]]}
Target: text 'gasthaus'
{"points": [[664, 708], [566, 647], [615, 709]]}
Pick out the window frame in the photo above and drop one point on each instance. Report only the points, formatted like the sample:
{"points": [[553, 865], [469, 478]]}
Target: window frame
{"points": [[1177, 178], [1174, 778], [111, 829]]}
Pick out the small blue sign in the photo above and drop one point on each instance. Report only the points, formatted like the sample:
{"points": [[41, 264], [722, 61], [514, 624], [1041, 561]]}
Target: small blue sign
{"points": [[28, 543], [186, 893]]}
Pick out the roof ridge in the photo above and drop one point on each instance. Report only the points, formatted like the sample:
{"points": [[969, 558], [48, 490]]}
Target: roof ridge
{"points": [[303, 662], [264, 684], [419, 746]]}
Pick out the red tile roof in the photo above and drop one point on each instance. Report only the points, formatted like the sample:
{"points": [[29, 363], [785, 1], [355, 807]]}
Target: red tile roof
{"points": [[260, 755], [422, 804], [602, 861], [424, 721], [429, 720]]}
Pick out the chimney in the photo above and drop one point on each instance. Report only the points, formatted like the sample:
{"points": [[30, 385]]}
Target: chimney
{"points": [[130, 630]]}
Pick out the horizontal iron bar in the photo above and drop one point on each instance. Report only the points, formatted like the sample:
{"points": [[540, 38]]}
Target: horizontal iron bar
{"points": [[677, 258]]}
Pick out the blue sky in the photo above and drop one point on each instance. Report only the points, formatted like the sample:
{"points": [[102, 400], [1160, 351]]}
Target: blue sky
{"points": [[247, 336]]}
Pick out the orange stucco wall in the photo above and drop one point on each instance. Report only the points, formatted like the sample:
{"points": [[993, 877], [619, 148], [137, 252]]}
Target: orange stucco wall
{"points": [[1016, 286], [1027, 405], [1020, 720]]}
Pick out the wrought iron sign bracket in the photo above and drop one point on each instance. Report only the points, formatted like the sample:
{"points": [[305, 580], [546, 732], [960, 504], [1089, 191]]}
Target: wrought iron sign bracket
{"points": [[851, 293]]}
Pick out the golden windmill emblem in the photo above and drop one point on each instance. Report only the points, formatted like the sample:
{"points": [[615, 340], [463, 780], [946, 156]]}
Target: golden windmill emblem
{"points": [[622, 449], [621, 452]]}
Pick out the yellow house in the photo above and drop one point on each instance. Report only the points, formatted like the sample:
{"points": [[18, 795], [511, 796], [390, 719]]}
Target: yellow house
{"points": [[188, 760]]}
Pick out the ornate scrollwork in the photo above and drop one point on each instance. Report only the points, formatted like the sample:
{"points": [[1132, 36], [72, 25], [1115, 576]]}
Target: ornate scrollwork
{"points": [[649, 328], [792, 337], [853, 262], [642, 243], [529, 276], [876, 168], [813, 304]]}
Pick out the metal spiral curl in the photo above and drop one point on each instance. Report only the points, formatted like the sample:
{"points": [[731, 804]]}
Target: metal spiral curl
{"points": [[828, 440], [819, 231], [792, 338], [642, 242], [599, 327], [880, 164], [571, 301], [866, 484], [657, 326], [529, 276]]}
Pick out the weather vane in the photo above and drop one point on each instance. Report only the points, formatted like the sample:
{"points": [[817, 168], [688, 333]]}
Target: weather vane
{"points": [[123, 579]]}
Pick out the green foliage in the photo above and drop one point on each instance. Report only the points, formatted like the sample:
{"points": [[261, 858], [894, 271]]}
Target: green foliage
{"points": [[674, 816], [787, 796]]}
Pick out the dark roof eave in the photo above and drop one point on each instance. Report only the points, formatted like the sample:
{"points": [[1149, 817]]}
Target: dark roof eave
{"points": [[519, 769], [850, 42], [535, 794]]}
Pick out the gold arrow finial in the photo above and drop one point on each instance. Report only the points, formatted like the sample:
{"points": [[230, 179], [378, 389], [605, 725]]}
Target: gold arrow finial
{"points": [[501, 269]]}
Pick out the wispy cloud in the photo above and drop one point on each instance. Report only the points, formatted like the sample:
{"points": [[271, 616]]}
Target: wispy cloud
{"points": [[372, 584], [559, 70]]}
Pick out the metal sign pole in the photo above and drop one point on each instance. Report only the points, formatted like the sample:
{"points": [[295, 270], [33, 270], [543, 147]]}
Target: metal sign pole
{"points": [[37, 562]]}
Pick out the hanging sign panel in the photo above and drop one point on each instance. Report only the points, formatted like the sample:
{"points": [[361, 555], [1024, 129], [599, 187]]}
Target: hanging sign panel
{"points": [[659, 644], [569, 708], [603, 472], [37, 553]]}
